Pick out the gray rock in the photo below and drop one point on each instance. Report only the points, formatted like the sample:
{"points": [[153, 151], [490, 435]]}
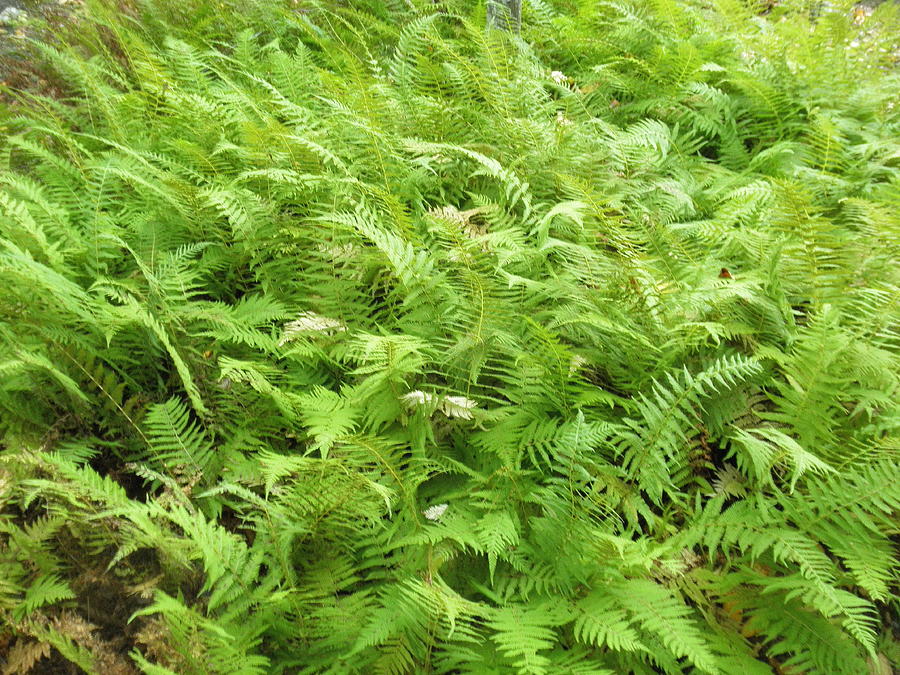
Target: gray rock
{"points": [[12, 16]]}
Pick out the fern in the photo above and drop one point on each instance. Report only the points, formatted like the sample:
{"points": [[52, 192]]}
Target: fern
{"points": [[356, 338], [175, 442]]}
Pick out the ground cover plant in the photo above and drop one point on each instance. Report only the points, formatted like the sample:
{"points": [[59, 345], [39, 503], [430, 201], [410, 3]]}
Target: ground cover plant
{"points": [[350, 337]]}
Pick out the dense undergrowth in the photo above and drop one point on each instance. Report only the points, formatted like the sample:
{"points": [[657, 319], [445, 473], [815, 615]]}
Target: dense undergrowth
{"points": [[352, 338]]}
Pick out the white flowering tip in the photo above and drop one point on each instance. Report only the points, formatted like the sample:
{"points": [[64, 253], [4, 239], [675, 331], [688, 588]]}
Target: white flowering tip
{"points": [[451, 406], [558, 76], [309, 322], [562, 120], [435, 512], [417, 397], [860, 14], [458, 406], [461, 219], [449, 213], [341, 252], [577, 363]]}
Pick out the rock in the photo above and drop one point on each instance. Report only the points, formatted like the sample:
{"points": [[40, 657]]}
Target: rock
{"points": [[13, 16]]}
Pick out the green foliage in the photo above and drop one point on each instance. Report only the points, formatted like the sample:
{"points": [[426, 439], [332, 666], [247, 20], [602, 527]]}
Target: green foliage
{"points": [[354, 338]]}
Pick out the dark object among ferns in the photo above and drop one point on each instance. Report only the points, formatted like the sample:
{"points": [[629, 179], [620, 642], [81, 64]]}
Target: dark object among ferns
{"points": [[355, 338]]}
